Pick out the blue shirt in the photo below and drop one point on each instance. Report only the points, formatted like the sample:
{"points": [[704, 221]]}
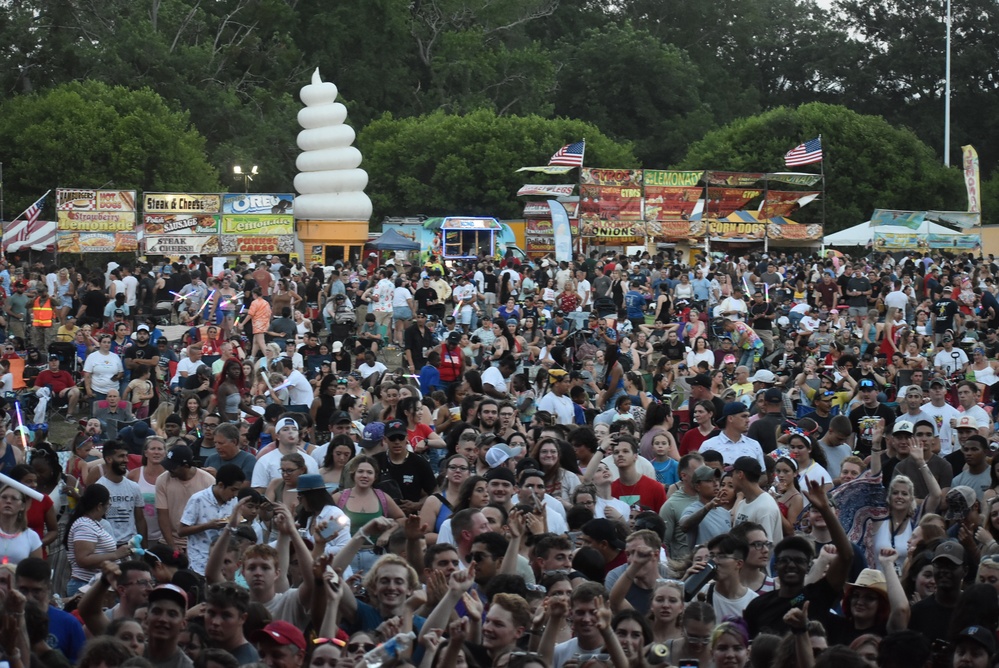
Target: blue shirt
{"points": [[635, 301], [702, 289], [430, 379], [65, 634]]}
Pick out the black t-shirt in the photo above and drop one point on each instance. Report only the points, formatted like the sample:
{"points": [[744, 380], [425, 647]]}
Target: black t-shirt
{"points": [[989, 301], [858, 284], [423, 297], [929, 618], [414, 476], [758, 311], [416, 341], [764, 430], [765, 614], [863, 419], [491, 282], [673, 351], [944, 310], [95, 301]]}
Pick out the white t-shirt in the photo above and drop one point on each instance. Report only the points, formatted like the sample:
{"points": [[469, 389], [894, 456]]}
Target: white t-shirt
{"points": [[560, 407], [942, 415], [131, 285], [948, 362], [566, 651], [494, 377], [268, 467], [20, 547], [299, 389], [366, 370], [186, 365], [814, 471], [764, 511], [101, 368], [203, 507], [400, 296], [727, 607]]}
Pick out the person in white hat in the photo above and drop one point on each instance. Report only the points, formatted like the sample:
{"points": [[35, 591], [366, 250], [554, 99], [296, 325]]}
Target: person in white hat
{"points": [[268, 467]]}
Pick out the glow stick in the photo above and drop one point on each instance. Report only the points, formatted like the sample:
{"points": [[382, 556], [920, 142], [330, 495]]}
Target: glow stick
{"points": [[20, 423], [766, 291], [208, 301], [746, 283], [239, 314], [23, 489]]}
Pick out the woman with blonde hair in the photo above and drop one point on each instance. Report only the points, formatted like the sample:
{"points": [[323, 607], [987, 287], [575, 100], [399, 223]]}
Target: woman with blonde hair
{"points": [[666, 611]]}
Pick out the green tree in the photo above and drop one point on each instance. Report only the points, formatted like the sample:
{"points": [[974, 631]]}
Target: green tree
{"points": [[632, 86], [88, 133], [868, 163], [443, 164]]}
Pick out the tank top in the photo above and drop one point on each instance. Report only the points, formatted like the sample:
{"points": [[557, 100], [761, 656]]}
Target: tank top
{"points": [[358, 520], [149, 506], [986, 376], [8, 461], [444, 513]]}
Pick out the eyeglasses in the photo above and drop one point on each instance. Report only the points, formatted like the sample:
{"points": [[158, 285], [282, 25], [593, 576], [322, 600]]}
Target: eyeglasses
{"points": [[761, 544], [696, 640], [143, 583], [285, 471], [452, 467], [355, 647], [797, 561], [538, 588], [668, 581], [396, 439]]}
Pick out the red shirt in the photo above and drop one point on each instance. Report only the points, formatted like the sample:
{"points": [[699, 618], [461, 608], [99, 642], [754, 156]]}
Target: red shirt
{"points": [[649, 492], [57, 381]]}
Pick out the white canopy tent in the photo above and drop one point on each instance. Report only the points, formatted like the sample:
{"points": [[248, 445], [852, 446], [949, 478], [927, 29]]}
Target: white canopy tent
{"points": [[863, 234]]}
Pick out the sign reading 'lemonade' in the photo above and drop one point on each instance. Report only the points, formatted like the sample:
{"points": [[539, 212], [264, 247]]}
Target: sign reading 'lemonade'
{"points": [[267, 225]]}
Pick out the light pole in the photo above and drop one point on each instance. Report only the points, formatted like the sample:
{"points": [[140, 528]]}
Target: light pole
{"points": [[247, 176], [947, 94]]}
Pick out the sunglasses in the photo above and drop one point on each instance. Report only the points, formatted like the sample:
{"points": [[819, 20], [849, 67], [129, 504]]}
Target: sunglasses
{"points": [[478, 556], [355, 647]]}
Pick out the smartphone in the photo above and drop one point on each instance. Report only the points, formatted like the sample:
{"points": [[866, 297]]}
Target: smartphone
{"points": [[690, 663], [574, 537], [334, 578]]}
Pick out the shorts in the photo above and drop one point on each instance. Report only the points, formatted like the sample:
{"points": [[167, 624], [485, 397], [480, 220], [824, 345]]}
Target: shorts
{"points": [[858, 310], [402, 313], [383, 317]]}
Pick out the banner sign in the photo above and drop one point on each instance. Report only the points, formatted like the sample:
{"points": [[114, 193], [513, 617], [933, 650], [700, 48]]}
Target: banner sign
{"points": [[793, 231], [631, 178], [675, 230], [184, 244], [181, 203], [723, 201], [783, 203], [282, 243], [659, 177], [181, 223], [718, 229], [96, 242], [254, 225], [971, 181], [670, 202], [549, 169], [964, 242], [910, 219], [794, 178], [541, 189], [561, 232], [900, 241], [595, 227], [79, 199], [96, 221], [733, 179], [257, 203], [957, 218], [610, 203], [541, 210]]}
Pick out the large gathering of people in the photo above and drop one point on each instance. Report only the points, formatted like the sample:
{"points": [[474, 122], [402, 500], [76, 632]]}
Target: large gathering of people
{"points": [[760, 459]]}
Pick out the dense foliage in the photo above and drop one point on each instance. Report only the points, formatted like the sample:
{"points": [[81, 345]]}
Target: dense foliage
{"points": [[653, 76]]}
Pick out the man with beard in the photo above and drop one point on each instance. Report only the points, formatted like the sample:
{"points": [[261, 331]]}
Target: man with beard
{"points": [[143, 354], [410, 471], [126, 506], [793, 559], [488, 416]]}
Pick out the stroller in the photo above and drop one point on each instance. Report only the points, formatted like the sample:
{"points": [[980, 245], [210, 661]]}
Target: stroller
{"points": [[342, 326]]}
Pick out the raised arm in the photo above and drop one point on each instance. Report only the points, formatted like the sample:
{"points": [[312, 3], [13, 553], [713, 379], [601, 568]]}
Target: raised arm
{"points": [[458, 584], [933, 492], [840, 566], [898, 620]]}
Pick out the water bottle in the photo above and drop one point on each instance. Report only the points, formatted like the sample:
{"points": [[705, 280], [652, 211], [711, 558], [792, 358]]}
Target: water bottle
{"points": [[390, 649]]}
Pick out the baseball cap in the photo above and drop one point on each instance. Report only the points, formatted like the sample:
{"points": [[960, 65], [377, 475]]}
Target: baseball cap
{"points": [[142, 328], [454, 338], [902, 427], [281, 632], [555, 375], [773, 396], [700, 380], [340, 417], [979, 635], [502, 473], [960, 499], [53, 357], [950, 550], [947, 337], [731, 408], [372, 435], [702, 473], [940, 381], [728, 359], [763, 376], [603, 529], [867, 384], [179, 455], [119, 311], [966, 422], [395, 428], [285, 422], [748, 465], [169, 592], [500, 453], [336, 347]]}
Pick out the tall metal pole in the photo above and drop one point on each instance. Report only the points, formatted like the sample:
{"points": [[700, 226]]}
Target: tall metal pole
{"points": [[946, 149]]}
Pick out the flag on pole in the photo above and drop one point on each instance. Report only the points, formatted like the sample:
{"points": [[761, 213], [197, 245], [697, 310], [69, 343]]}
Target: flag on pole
{"points": [[35, 210], [570, 156], [805, 154]]}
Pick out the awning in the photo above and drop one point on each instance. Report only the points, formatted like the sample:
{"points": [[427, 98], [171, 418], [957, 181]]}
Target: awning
{"points": [[456, 223]]}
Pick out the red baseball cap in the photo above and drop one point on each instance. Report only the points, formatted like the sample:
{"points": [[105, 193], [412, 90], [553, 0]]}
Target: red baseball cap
{"points": [[281, 632]]}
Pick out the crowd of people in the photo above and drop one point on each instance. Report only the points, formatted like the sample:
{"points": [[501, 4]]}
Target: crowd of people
{"points": [[728, 461]]}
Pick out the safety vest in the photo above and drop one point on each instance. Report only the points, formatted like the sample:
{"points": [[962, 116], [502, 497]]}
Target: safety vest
{"points": [[41, 316]]}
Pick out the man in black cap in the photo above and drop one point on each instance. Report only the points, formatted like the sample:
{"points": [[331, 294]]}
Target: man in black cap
{"points": [[732, 442], [700, 390], [418, 340], [607, 538], [865, 415], [755, 506], [173, 490], [764, 430], [931, 616], [410, 471], [144, 354]]}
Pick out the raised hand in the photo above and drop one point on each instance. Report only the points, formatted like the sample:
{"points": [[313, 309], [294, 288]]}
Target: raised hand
{"points": [[390, 627], [558, 608], [797, 618], [816, 495], [413, 528], [319, 566], [888, 556], [473, 604], [377, 526], [283, 520], [457, 631], [604, 613], [516, 523], [462, 581], [431, 640], [436, 587]]}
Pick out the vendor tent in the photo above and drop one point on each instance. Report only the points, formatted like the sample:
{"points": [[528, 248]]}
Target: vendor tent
{"points": [[392, 240], [863, 234]]}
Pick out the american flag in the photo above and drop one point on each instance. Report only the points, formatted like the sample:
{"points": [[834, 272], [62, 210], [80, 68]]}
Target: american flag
{"points": [[35, 210], [569, 156], [805, 154]]}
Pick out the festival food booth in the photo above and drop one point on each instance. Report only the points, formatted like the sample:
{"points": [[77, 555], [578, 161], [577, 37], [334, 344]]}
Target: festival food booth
{"points": [[462, 238]]}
